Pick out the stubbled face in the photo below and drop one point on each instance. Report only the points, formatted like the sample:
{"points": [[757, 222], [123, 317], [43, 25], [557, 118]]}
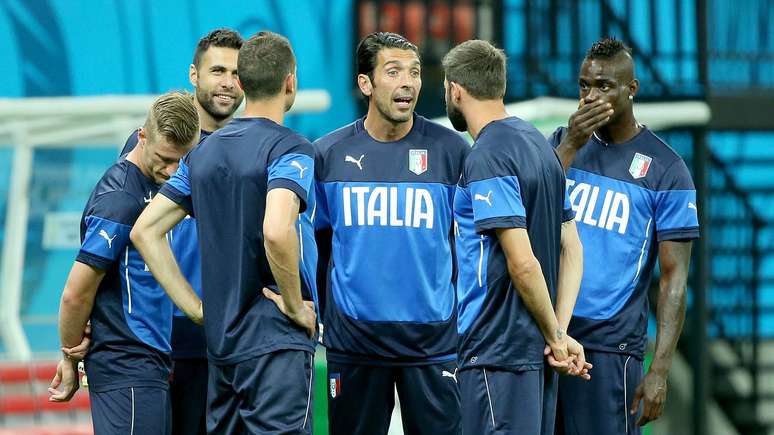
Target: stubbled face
{"points": [[160, 157], [607, 80], [215, 80], [452, 111], [396, 84]]}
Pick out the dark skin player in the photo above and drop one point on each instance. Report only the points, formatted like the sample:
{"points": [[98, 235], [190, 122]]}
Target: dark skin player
{"points": [[607, 90]]}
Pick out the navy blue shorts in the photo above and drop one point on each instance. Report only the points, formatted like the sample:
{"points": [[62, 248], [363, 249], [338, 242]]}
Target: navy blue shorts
{"points": [[506, 402], [188, 392], [268, 394], [601, 405], [361, 398], [138, 410]]}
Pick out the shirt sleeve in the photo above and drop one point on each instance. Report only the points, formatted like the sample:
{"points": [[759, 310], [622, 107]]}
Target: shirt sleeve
{"points": [[567, 212], [676, 212], [291, 166], [108, 222], [556, 137], [178, 187], [495, 194]]}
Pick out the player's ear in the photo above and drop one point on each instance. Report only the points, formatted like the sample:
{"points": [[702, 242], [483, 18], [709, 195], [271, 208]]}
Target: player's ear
{"points": [[290, 83], [365, 85], [142, 136], [456, 92], [633, 87], [193, 75]]}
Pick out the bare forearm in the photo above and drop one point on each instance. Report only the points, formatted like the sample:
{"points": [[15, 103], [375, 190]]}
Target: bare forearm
{"points": [[283, 256], [570, 275], [74, 312], [77, 300], [161, 261], [670, 316], [566, 153], [531, 286]]}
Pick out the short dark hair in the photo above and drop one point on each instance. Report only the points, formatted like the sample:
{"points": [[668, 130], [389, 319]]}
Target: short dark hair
{"points": [[264, 61], [174, 117], [369, 47], [223, 37], [607, 48], [477, 66]]}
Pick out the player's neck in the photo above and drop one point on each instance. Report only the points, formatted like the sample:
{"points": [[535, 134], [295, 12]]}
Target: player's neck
{"points": [[272, 109], [479, 113], [621, 131], [206, 121], [383, 129], [134, 156]]}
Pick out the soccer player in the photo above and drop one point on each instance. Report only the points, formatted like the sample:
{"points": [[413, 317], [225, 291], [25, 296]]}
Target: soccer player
{"points": [[213, 75], [634, 200], [517, 250], [246, 185], [131, 316], [385, 189]]}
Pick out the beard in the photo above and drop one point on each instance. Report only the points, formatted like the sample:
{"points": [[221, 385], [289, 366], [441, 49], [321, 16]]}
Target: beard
{"points": [[456, 117], [218, 113]]}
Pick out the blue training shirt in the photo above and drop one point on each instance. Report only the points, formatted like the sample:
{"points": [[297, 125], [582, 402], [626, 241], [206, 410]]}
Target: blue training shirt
{"points": [[626, 198], [512, 179], [390, 296], [187, 337], [132, 316], [223, 183]]}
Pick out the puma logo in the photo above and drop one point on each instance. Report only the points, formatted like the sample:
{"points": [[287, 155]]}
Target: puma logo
{"points": [[301, 169], [104, 235], [447, 374], [486, 199], [350, 159]]}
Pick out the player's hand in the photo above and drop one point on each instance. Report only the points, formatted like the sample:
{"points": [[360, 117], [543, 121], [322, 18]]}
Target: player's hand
{"points": [[65, 382], [652, 391], [561, 367], [305, 316], [198, 317], [79, 352], [559, 351], [585, 121], [580, 367]]}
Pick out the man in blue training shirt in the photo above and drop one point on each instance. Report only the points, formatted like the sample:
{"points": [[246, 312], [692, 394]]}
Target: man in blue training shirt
{"points": [[131, 318], [634, 201], [517, 250], [385, 190], [246, 185], [213, 75]]}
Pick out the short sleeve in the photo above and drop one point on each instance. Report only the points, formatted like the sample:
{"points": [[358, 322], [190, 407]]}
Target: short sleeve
{"points": [[108, 222], [178, 187], [291, 166], [495, 194], [676, 208], [567, 212], [556, 137]]}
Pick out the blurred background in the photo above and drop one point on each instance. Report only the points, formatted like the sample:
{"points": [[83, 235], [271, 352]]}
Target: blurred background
{"points": [[78, 76]]}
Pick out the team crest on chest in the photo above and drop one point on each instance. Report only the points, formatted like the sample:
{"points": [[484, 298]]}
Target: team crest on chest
{"points": [[418, 161], [640, 165]]}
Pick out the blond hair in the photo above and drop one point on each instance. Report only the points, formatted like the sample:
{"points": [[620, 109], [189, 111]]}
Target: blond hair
{"points": [[174, 117]]}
